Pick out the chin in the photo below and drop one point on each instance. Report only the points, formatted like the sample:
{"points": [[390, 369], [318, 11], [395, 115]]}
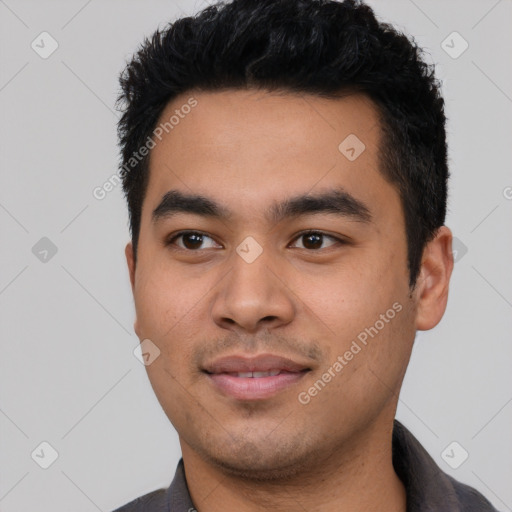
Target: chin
{"points": [[261, 461], [259, 471]]}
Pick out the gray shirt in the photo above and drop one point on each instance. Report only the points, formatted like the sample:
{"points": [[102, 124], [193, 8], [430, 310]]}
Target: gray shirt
{"points": [[428, 488]]}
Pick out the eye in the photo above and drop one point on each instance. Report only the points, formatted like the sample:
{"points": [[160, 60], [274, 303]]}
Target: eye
{"points": [[314, 240], [192, 240]]}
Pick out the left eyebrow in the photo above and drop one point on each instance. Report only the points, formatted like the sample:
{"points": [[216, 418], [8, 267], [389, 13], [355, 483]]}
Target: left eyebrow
{"points": [[336, 201]]}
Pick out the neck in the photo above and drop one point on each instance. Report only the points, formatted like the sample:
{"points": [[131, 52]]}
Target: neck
{"points": [[361, 477]]}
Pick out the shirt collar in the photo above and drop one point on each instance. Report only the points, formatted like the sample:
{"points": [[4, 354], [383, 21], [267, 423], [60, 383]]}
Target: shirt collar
{"points": [[426, 486]]}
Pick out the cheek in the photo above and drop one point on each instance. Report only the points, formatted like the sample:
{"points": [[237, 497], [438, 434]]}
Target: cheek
{"points": [[362, 315], [350, 295], [368, 359], [154, 301], [165, 302], [173, 311]]}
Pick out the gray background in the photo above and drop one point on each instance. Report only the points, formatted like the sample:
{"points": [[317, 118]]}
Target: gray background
{"points": [[68, 373]]}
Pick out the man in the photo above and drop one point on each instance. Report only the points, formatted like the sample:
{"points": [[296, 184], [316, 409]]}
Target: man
{"points": [[285, 168]]}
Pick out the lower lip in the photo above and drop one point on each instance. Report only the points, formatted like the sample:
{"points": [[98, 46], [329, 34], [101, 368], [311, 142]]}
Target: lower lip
{"points": [[254, 388]]}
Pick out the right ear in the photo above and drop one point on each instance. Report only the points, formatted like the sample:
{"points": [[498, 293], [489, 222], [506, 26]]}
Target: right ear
{"points": [[130, 260]]}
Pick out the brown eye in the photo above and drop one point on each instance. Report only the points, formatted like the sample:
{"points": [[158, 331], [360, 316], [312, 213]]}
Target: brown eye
{"points": [[314, 240], [192, 240]]}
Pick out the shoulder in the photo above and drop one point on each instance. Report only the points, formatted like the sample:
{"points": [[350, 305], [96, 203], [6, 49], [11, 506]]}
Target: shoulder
{"points": [[470, 499], [429, 488], [175, 498], [152, 502]]}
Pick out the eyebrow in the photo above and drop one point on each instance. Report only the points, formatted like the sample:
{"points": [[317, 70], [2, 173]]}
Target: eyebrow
{"points": [[336, 201]]}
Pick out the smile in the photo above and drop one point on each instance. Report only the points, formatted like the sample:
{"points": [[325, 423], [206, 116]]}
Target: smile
{"points": [[256, 378]]}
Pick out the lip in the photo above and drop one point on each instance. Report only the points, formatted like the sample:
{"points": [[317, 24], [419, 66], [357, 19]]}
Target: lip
{"points": [[260, 363], [222, 373]]}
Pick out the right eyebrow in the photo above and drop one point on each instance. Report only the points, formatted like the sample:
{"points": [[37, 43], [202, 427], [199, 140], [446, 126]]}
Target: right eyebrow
{"points": [[174, 202]]}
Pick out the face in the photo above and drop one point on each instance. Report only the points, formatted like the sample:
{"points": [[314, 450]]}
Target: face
{"points": [[272, 276]]}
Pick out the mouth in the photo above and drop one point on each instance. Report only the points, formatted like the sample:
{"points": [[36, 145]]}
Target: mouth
{"points": [[255, 378]]}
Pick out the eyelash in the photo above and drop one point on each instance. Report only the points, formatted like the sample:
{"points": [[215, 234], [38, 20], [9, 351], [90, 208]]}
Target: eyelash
{"points": [[338, 241]]}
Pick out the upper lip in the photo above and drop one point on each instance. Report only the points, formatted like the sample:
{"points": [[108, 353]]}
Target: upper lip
{"points": [[261, 363]]}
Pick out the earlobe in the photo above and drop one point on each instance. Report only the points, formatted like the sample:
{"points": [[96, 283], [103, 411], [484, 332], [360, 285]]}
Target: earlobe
{"points": [[434, 279]]}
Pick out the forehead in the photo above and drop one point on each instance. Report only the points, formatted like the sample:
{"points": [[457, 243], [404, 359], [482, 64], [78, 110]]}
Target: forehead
{"points": [[244, 146]]}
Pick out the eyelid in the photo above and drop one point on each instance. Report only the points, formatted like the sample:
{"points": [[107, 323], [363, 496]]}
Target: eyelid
{"points": [[337, 239], [169, 240]]}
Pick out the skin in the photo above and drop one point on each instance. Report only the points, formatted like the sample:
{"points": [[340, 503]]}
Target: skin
{"points": [[247, 150]]}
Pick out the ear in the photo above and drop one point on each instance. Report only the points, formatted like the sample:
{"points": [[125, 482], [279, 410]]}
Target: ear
{"points": [[434, 279], [130, 260]]}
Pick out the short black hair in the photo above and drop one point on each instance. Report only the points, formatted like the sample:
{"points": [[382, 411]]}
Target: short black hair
{"points": [[319, 47]]}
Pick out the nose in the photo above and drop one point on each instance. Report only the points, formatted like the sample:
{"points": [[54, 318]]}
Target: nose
{"points": [[253, 296]]}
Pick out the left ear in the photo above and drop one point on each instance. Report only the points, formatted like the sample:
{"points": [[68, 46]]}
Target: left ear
{"points": [[434, 279]]}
